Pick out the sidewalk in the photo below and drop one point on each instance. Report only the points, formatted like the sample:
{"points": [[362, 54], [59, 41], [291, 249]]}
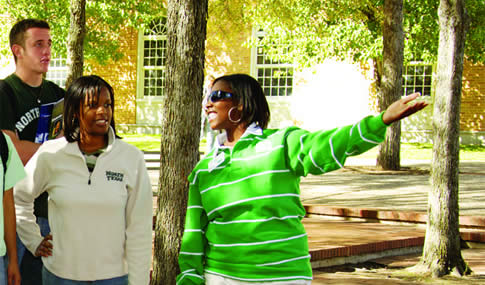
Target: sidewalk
{"points": [[361, 187], [357, 214]]}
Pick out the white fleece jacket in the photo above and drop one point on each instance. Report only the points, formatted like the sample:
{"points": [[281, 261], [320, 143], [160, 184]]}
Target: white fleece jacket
{"points": [[101, 223]]}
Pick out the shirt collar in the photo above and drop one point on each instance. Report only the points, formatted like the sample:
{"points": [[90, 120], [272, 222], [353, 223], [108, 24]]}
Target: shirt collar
{"points": [[73, 147], [252, 129]]}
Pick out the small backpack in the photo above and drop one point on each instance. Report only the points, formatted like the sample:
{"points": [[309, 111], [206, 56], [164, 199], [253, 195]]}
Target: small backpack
{"points": [[3, 155], [3, 142]]}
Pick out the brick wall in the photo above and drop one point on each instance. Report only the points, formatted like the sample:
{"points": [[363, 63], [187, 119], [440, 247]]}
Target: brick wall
{"points": [[225, 53], [473, 98], [121, 75]]}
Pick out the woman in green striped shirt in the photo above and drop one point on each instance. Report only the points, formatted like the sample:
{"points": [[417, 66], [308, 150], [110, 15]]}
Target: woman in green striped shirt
{"points": [[244, 213]]}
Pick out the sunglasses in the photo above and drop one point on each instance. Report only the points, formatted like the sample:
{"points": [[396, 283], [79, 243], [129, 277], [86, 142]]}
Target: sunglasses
{"points": [[215, 96]]}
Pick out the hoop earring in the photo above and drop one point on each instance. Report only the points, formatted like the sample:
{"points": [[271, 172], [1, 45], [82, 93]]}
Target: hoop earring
{"points": [[229, 116]]}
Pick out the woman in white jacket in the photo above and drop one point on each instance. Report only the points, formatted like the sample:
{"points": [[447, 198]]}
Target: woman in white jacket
{"points": [[100, 198]]}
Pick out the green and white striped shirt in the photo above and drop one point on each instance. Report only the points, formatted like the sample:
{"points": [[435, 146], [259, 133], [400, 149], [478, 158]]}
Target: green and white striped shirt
{"points": [[244, 210]]}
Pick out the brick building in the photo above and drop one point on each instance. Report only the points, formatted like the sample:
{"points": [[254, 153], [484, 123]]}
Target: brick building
{"points": [[324, 96]]}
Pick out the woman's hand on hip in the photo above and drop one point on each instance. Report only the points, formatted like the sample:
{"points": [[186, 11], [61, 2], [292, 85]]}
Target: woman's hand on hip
{"points": [[45, 247]]}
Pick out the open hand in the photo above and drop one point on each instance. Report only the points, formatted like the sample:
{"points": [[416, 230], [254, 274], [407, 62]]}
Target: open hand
{"points": [[401, 109], [45, 247]]}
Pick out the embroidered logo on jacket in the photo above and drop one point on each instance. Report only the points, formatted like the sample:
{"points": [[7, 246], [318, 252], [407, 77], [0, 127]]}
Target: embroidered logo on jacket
{"points": [[114, 176]]}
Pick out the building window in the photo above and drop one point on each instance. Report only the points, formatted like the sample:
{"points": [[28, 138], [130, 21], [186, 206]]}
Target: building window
{"points": [[274, 75], [58, 70], [417, 78], [154, 58]]}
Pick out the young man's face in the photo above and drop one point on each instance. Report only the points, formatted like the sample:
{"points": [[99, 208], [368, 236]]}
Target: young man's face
{"points": [[36, 53]]}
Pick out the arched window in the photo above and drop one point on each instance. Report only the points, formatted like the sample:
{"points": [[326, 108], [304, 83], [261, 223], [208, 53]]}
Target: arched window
{"points": [[153, 48]]}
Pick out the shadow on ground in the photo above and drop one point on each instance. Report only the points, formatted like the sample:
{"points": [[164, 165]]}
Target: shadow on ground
{"points": [[403, 190], [392, 270]]}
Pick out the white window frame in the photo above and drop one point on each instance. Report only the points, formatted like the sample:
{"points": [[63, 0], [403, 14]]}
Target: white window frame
{"points": [[272, 84], [422, 82], [142, 68], [58, 70]]}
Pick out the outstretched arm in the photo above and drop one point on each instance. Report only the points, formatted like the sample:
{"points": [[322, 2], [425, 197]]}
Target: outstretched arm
{"points": [[401, 109]]}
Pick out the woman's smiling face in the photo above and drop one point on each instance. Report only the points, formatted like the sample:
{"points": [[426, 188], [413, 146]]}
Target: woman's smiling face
{"points": [[218, 112], [96, 115]]}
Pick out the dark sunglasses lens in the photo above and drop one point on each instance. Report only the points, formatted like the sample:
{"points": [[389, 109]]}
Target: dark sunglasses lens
{"points": [[215, 96], [219, 95]]}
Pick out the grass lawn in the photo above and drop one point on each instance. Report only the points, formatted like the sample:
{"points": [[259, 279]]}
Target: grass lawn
{"points": [[143, 142], [408, 150]]}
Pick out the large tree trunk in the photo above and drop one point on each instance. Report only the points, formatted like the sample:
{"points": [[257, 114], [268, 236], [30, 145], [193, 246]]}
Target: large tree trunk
{"points": [[442, 252], [186, 26], [390, 88], [75, 40]]}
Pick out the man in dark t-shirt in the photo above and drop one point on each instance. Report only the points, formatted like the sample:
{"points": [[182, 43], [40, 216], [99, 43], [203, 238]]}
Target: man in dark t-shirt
{"points": [[20, 107], [20, 98]]}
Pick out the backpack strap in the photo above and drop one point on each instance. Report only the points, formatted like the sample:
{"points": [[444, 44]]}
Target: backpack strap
{"points": [[3, 155]]}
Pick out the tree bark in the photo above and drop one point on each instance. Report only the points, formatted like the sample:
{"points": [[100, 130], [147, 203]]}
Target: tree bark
{"points": [[390, 87], [75, 40], [442, 252], [186, 26]]}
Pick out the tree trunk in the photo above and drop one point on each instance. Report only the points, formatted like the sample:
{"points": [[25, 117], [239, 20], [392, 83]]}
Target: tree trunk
{"points": [[442, 252], [75, 40], [390, 88], [186, 26]]}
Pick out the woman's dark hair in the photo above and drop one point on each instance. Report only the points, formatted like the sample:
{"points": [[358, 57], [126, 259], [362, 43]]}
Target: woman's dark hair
{"points": [[76, 95], [248, 92]]}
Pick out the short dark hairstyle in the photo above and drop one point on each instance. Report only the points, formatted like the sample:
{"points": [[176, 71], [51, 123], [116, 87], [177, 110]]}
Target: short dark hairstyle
{"points": [[248, 92], [76, 95], [17, 33]]}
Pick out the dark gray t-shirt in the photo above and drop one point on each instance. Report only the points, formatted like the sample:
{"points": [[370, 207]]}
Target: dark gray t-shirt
{"points": [[19, 112]]}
